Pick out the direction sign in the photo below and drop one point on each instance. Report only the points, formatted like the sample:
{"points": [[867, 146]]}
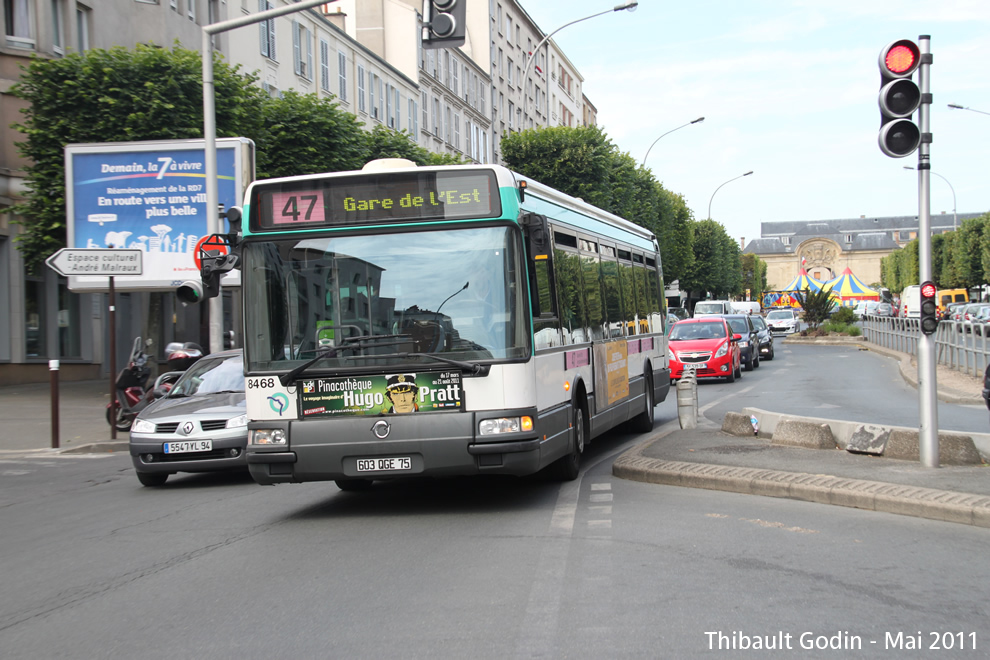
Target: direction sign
{"points": [[96, 261]]}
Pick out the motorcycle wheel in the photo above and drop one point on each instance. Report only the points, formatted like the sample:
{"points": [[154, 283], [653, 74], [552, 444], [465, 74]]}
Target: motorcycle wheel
{"points": [[124, 421]]}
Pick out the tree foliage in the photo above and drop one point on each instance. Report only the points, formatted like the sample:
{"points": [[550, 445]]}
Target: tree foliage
{"points": [[817, 307], [960, 259], [114, 95], [584, 163], [151, 93], [717, 268]]}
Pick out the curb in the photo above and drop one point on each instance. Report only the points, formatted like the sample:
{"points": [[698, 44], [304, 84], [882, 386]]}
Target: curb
{"points": [[108, 447], [965, 508]]}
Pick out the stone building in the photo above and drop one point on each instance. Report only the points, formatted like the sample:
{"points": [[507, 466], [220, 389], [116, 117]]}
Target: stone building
{"points": [[825, 248]]}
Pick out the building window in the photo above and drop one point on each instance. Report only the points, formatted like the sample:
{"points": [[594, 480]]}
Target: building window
{"points": [[397, 105], [786, 240], [454, 84], [302, 51], [342, 75], [267, 31], [457, 132], [449, 125], [58, 27], [191, 10], [413, 119], [19, 18], [426, 110], [373, 105], [69, 325], [436, 117], [360, 89], [849, 238], [34, 317], [389, 107], [83, 22], [509, 73], [512, 113], [324, 65]]}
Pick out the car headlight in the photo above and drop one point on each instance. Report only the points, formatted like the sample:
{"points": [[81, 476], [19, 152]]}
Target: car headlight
{"points": [[267, 437], [505, 425], [722, 350], [670, 356], [235, 422], [143, 426], [743, 343]]}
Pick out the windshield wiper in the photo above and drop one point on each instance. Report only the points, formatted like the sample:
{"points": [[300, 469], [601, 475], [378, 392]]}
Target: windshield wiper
{"points": [[470, 367], [350, 344]]}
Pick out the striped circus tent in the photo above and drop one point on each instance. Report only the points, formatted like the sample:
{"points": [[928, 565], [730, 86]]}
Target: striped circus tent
{"points": [[850, 289], [804, 281]]}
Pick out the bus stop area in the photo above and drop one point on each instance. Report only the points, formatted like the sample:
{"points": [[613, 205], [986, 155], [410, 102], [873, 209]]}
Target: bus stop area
{"points": [[703, 457]]}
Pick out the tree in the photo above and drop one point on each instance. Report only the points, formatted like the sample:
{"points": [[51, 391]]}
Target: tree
{"points": [[717, 266], [817, 307], [383, 142], [584, 163], [147, 93], [754, 275]]}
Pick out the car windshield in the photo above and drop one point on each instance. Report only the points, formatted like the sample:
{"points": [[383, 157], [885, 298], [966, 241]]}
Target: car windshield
{"points": [[780, 315], [691, 331], [211, 375], [738, 325]]}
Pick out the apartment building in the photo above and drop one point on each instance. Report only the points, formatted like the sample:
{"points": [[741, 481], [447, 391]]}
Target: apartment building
{"points": [[365, 54]]}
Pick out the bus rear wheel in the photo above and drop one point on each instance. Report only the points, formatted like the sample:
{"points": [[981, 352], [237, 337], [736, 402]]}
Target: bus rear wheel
{"points": [[643, 422]]}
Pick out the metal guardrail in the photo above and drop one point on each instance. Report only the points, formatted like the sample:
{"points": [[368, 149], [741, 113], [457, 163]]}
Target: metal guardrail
{"points": [[960, 345]]}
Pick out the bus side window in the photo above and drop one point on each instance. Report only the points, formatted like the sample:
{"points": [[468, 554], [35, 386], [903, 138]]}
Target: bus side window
{"points": [[544, 293]]}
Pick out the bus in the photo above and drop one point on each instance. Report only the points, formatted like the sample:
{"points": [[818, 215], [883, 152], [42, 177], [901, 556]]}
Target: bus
{"points": [[406, 321]]}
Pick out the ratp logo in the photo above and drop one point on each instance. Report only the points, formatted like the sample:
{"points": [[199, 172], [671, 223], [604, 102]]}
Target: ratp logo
{"points": [[278, 402]]}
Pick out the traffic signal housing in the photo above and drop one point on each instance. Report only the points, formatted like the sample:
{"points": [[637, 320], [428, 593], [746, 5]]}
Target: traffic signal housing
{"points": [[212, 264], [444, 23], [899, 98], [929, 308]]}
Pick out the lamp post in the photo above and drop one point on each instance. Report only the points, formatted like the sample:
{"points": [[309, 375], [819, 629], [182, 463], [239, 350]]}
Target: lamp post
{"points": [[956, 106], [631, 6], [717, 189], [954, 217], [696, 121]]}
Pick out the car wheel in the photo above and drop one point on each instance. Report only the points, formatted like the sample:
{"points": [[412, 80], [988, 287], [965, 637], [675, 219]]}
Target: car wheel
{"points": [[643, 422], [731, 378], [152, 479], [756, 360], [739, 371], [353, 485], [770, 354], [749, 362]]}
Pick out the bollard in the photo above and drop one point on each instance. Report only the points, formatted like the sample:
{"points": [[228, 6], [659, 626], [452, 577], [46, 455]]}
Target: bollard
{"points": [[53, 379], [687, 400]]}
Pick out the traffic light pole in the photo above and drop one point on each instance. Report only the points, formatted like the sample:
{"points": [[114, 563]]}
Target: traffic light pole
{"points": [[928, 403]]}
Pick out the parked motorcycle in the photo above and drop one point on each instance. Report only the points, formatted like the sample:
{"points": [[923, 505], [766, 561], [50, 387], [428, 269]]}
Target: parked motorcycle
{"points": [[133, 395]]}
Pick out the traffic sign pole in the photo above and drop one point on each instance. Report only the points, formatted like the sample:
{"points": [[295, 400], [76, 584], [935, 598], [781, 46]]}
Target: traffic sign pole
{"points": [[927, 387]]}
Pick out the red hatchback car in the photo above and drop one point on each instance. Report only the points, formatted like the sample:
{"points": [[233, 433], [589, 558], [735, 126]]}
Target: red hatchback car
{"points": [[705, 345]]}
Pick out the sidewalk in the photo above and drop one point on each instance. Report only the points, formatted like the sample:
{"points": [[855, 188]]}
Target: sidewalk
{"points": [[707, 457]]}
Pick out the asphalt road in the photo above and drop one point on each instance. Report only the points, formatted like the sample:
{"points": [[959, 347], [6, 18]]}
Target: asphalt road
{"points": [[215, 566]]}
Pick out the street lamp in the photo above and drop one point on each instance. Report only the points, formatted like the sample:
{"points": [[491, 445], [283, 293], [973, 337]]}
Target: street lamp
{"points": [[631, 6], [956, 106], [954, 223], [696, 121], [717, 189]]}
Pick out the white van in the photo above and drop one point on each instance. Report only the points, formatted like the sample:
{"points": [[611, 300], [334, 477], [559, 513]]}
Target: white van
{"points": [[712, 308], [911, 302], [746, 307]]}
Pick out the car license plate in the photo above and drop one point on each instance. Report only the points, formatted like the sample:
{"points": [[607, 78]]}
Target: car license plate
{"points": [[384, 464], [695, 365], [188, 446]]}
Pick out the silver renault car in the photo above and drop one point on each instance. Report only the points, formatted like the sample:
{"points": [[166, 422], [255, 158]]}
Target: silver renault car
{"points": [[200, 425]]}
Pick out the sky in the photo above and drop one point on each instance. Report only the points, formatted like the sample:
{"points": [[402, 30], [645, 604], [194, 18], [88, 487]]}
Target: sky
{"points": [[788, 90]]}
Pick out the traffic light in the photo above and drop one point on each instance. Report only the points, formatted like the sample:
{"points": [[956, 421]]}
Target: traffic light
{"points": [[212, 264], [444, 23], [899, 98], [929, 309]]}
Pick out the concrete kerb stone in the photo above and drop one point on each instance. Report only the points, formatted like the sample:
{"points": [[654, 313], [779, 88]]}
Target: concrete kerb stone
{"points": [[945, 506], [795, 432], [973, 447]]}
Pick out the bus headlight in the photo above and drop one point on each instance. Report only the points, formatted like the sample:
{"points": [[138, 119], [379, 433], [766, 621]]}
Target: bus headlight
{"points": [[266, 437], [505, 425]]}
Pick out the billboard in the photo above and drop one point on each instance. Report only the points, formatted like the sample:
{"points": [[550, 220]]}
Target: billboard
{"points": [[149, 196]]}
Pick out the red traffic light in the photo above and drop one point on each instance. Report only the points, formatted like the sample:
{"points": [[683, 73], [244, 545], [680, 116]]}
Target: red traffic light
{"points": [[900, 58], [928, 290]]}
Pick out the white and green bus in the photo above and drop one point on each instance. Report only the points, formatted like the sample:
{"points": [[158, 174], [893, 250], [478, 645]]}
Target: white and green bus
{"points": [[431, 321]]}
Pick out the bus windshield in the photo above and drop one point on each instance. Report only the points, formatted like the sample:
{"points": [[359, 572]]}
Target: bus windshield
{"points": [[385, 299]]}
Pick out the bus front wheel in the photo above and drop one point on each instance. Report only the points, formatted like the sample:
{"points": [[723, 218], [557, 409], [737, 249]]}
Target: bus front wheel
{"points": [[567, 467]]}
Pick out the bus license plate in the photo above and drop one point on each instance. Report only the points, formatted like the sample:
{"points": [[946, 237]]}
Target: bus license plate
{"points": [[384, 464], [188, 446]]}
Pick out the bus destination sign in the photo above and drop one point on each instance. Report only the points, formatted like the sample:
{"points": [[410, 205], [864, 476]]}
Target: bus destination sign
{"points": [[373, 198]]}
